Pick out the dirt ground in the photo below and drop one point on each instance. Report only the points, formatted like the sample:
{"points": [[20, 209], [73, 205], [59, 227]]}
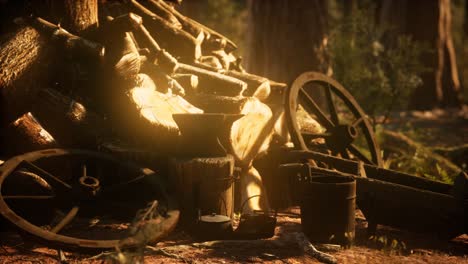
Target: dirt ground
{"points": [[389, 245]]}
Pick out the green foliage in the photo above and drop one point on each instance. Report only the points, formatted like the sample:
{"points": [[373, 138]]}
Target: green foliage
{"points": [[380, 76]]}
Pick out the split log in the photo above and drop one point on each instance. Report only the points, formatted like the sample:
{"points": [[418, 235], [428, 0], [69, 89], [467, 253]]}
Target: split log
{"points": [[257, 86], [205, 184], [24, 56], [26, 134], [213, 82], [251, 134], [225, 59], [176, 41], [73, 125], [149, 115]]}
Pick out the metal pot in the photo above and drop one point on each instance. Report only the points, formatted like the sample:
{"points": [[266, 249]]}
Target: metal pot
{"points": [[213, 226]]}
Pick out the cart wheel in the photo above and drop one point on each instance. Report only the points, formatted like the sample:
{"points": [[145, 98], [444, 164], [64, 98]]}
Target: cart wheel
{"points": [[345, 130], [91, 200]]}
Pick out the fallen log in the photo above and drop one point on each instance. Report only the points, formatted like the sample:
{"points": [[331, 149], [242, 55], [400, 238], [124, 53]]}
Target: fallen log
{"points": [[176, 41], [149, 114], [213, 82], [73, 125], [24, 56], [26, 134]]}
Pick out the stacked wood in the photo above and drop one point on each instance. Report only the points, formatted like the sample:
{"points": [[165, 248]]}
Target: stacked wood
{"points": [[257, 86], [71, 123], [213, 82], [27, 134], [144, 115], [177, 41], [23, 56]]}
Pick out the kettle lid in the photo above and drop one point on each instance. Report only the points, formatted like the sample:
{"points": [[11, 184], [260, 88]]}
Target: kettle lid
{"points": [[214, 218]]}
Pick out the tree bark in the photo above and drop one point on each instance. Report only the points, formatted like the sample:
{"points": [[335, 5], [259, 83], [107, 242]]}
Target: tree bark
{"points": [[76, 16], [286, 38]]}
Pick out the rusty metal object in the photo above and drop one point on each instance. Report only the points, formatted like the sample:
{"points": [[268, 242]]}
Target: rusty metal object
{"points": [[340, 135], [97, 192], [327, 208]]}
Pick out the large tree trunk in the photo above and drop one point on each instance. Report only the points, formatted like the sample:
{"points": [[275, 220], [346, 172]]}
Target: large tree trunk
{"points": [[75, 16], [432, 25], [286, 38]]}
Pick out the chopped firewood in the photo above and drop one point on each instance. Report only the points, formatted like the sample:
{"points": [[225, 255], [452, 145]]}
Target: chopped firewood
{"points": [[71, 123], [257, 86], [129, 62], [176, 41], [149, 113], [213, 82], [27, 134], [225, 59], [23, 57]]}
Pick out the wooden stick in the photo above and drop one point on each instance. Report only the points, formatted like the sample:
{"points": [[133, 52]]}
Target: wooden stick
{"points": [[188, 81], [213, 82], [257, 86], [80, 47], [177, 41], [159, 10], [190, 24]]}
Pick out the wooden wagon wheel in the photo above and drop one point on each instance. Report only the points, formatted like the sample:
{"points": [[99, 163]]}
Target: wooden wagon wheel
{"points": [[343, 121], [103, 189]]}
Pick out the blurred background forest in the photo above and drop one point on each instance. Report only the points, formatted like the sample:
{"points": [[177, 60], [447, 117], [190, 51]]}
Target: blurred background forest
{"points": [[384, 52]]}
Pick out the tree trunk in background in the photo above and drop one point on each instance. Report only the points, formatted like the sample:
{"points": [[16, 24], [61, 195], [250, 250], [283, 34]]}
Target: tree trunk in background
{"points": [[432, 25], [75, 16], [286, 38]]}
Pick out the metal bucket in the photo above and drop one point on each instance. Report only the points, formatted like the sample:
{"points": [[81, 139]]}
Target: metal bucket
{"points": [[327, 209]]}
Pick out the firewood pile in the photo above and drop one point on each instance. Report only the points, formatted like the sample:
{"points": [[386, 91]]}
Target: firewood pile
{"points": [[116, 89]]}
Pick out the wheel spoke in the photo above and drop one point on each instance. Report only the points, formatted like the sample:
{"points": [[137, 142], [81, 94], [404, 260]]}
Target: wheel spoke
{"points": [[345, 154], [357, 121], [56, 181], [312, 107], [66, 220], [24, 197], [310, 136], [117, 186], [331, 106], [356, 152]]}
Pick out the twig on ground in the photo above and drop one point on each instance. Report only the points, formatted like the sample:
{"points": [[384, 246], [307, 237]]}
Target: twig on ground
{"points": [[305, 245], [164, 252]]}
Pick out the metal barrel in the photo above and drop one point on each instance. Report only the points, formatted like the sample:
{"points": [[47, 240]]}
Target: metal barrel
{"points": [[327, 209]]}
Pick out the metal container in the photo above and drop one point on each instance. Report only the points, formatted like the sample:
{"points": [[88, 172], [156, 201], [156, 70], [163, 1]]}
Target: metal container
{"points": [[327, 209], [213, 226]]}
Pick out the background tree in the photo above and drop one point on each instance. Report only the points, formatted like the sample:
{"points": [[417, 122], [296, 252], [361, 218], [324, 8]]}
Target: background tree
{"points": [[286, 38], [432, 25]]}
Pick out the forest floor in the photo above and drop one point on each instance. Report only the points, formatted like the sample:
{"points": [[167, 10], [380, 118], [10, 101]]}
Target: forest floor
{"points": [[388, 245]]}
